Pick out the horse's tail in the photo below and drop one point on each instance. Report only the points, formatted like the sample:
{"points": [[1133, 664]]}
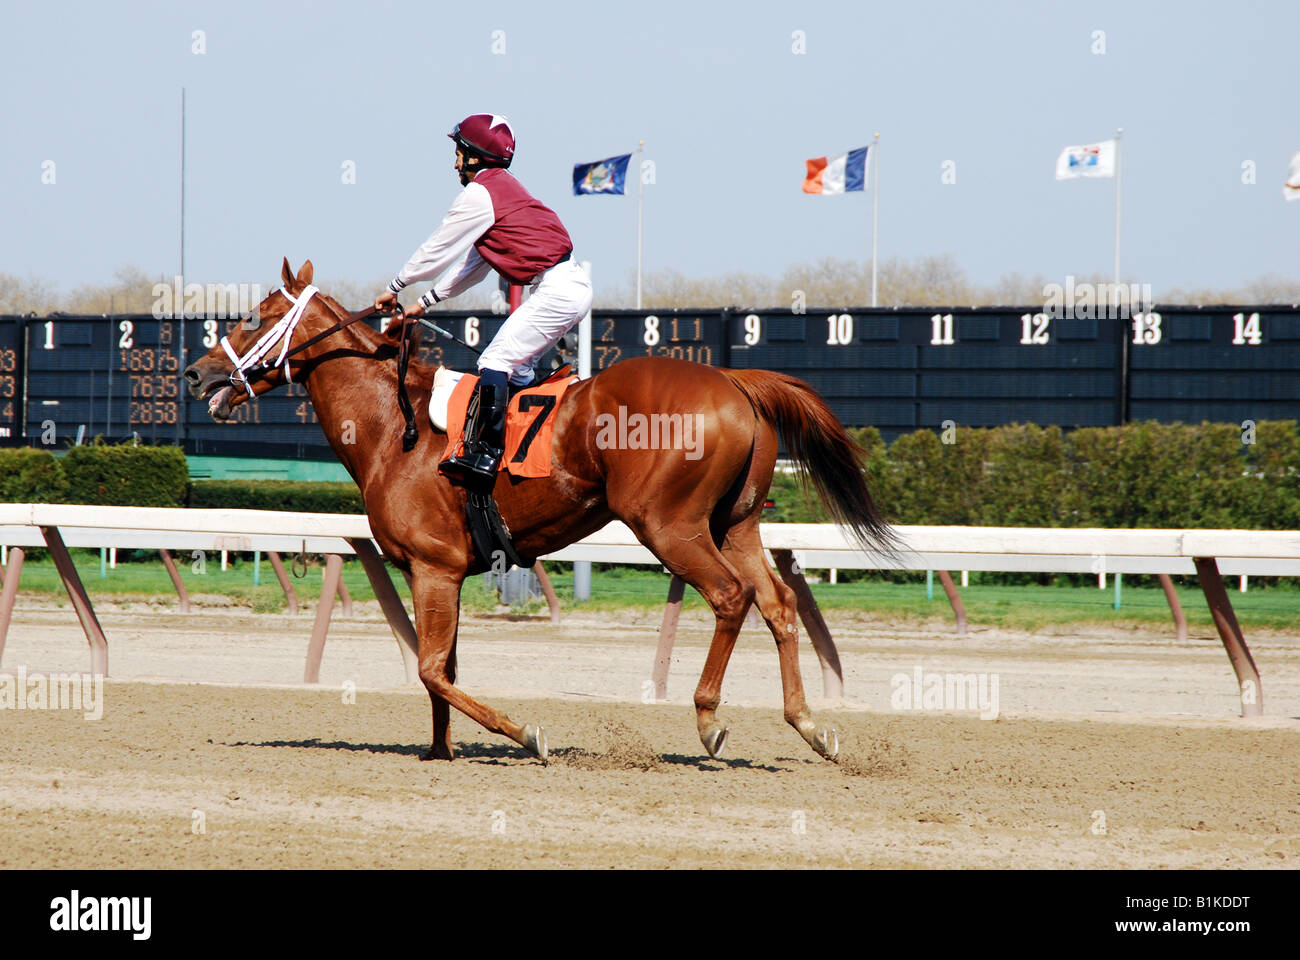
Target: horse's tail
{"points": [[818, 443]]}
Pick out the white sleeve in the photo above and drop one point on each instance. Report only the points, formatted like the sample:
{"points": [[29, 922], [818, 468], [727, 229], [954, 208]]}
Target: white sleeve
{"points": [[467, 220], [464, 273]]}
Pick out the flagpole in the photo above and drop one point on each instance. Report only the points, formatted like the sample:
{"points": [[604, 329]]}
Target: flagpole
{"points": [[182, 188], [640, 215], [1119, 133], [875, 212], [183, 360]]}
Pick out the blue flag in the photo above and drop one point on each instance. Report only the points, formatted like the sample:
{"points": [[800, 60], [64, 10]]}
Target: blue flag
{"points": [[603, 176]]}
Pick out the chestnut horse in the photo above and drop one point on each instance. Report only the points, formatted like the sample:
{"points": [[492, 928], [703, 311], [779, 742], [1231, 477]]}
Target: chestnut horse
{"points": [[698, 514]]}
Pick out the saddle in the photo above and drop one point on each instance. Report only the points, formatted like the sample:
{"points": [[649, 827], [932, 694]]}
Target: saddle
{"points": [[529, 420], [529, 429]]}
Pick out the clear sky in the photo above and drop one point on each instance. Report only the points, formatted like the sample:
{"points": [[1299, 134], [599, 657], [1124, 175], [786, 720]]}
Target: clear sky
{"points": [[286, 92]]}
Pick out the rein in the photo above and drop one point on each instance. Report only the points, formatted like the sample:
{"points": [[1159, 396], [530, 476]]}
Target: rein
{"points": [[412, 433]]}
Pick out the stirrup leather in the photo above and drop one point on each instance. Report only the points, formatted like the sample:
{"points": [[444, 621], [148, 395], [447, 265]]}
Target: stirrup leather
{"points": [[482, 456]]}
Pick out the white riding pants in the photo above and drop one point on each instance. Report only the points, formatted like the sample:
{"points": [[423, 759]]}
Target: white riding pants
{"points": [[560, 299]]}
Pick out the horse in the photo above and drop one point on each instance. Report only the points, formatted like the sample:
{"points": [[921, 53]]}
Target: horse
{"points": [[698, 515]]}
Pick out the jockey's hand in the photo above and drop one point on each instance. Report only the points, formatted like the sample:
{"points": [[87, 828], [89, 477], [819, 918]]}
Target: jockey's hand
{"points": [[414, 310], [386, 302]]}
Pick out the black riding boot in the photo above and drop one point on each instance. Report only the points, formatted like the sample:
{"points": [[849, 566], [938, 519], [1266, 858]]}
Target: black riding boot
{"points": [[485, 433]]}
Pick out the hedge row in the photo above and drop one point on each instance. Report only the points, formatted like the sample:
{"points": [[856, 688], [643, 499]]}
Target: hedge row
{"points": [[1139, 475], [31, 476], [154, 477], [96, 474], [307, 497]]}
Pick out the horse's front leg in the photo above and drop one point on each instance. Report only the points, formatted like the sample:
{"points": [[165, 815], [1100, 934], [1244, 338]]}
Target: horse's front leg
{"points": [[437, 613], [441, 749]]}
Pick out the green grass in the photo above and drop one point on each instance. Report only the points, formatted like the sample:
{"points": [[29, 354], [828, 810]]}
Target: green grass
{"points": [[993, 605], [1020, 607], [147, 579], [1032, 607]]}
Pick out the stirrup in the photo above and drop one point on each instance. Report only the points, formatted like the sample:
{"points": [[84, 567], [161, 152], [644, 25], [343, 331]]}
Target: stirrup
{"points": [[482, 461], [484, 447]]}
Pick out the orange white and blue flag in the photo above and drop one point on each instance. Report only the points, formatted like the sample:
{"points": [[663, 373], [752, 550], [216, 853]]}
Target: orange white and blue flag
{"points": [[1291, 189], [1089, 160], [846, 173]]}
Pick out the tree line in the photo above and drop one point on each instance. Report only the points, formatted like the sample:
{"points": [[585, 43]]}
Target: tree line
{"points": [[829, 282]]}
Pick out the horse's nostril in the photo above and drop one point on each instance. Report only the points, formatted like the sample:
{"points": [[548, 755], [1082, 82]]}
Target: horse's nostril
{"points": [[191, 375]]}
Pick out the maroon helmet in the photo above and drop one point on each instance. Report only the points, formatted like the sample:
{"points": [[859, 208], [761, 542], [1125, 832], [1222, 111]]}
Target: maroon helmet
{"points": [[488, 135]]}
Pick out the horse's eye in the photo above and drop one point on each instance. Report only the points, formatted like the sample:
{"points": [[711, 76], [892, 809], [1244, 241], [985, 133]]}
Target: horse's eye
{"points": [[252, 322]]}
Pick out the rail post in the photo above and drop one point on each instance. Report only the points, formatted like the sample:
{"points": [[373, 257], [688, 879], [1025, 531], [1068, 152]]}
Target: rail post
{"points": [[177, 582], [1225, 620], [316, 648], [1176, 608], [9, 593], [389, 602], [80, 600], [289, 595], [552, 601], [667, 634], [954, 598], [345, 598], [814, 623]]}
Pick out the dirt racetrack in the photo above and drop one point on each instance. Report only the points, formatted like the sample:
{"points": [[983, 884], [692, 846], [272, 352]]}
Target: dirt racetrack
{"points": [[1108, 751]]}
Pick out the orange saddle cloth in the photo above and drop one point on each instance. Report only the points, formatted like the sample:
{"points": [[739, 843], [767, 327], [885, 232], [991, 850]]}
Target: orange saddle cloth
{"points": [[530, 423]]}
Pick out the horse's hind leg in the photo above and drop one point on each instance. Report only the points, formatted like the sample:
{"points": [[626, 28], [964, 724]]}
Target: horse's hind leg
{"points": [[437, 612], [690, 553], [777, 603]]}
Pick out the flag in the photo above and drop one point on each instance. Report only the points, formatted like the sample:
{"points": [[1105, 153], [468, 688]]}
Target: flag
{"points": [[603, 176], [843, 174], [1291, 189], [1092, 160]]}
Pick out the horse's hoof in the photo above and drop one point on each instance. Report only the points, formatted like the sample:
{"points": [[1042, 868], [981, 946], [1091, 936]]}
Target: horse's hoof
{"points": [[714, 739], [535, 740], [826, 741], [438, 753]]}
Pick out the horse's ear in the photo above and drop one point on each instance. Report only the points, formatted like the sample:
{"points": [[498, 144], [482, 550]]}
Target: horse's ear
{"points": [[286, 274], [304, 275]]}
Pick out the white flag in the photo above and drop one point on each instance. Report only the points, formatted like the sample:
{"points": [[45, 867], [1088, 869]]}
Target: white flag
{"points": [[1091, 160], [1291, 189]]}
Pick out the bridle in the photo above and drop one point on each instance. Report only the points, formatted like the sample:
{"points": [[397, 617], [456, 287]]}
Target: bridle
{"points": [[281, 333], [252, 364]]}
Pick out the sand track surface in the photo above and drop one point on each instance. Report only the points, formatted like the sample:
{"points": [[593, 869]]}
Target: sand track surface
{"points": [[1108, 751]]}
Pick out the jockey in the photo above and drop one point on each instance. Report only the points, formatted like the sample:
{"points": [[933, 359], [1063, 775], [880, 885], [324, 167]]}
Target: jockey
{"points": [[495, 224]]}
